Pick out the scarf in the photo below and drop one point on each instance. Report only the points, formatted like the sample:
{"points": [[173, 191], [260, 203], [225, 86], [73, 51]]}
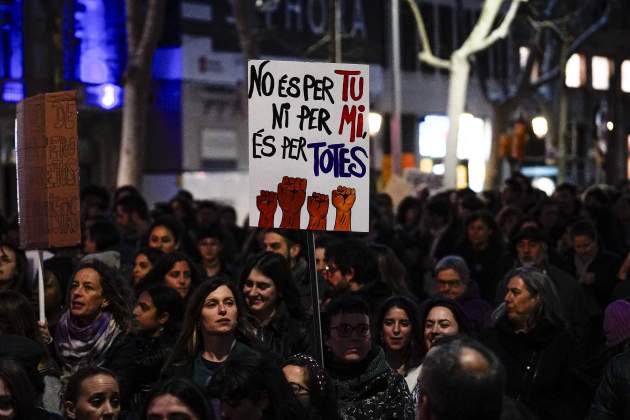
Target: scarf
{"points": [[80, 346]]}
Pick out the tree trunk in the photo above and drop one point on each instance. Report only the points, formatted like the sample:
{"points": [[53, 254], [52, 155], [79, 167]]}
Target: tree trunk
{"points": [[457, 89], [143, 33], [134, 125]]}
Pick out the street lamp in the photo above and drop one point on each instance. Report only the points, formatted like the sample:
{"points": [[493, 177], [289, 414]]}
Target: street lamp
{"points": [[540, 126], [374, 122]]}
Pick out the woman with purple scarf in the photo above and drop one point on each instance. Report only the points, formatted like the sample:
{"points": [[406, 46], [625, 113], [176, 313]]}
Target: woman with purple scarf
{"points": [[92, 331]]}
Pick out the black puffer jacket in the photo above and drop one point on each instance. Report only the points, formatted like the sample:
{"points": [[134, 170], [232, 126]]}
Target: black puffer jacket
{"points": [[370, 389], [611, 400]]}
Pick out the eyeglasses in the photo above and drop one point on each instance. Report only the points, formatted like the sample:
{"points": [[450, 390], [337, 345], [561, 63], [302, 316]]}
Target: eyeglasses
{"points": [[346, 330], [299, 390], [448, 284], [330, 269]]}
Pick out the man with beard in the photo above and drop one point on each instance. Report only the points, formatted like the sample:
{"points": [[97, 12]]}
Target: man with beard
{"points": [[351, 267]]}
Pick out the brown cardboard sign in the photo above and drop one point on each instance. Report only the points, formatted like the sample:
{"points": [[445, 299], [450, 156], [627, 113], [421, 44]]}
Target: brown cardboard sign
{"points": [[48, 171]]}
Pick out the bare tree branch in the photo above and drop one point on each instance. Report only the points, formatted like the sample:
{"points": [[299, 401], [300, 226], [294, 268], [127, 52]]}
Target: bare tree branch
{"points": [[501, 31], [426, 54]]}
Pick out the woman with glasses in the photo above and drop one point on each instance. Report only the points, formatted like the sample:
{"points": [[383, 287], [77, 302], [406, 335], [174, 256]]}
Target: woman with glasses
{"points": [[366, 387], [452, 281], [273, 305], [400, 336], [311, 386]]}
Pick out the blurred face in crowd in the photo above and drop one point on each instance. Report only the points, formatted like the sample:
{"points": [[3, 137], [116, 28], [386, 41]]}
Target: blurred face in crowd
{"points": [[448, 284], [276, 243], [163, 239], [320, 260], [7, 408], [123, 219], [520, 303], [86, 295], [145, 315], [219, 314], [530, 252], [396, 329], [206, 216], [549, 216], [261, 294], [168, 406], [297, 377], [349, 337], [209, 249], [53, 295], [244, 409], [99, 398], [478, 234], [179, 278], [585, 247], [566, 201], [440, 321], [8, 264], [141, 267], [338, 280]]}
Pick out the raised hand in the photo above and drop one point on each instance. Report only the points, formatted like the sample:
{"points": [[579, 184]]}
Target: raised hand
{"points": [[267, 202], [317, 206], [343, 199], [291, 196]]}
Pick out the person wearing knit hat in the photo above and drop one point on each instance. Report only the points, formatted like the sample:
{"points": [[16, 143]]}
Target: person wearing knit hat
{"points": [[617, 322]]}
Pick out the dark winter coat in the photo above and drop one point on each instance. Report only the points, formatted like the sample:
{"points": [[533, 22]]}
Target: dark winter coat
{"points": [[611, 400], [285, 335], [539, 366], [486, 267], [604, 266], [186, 368], [370, 389], [150, 355], [476, 309]]}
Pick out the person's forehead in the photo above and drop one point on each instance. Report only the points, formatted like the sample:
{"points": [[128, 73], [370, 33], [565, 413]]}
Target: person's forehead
{"points": [[448, 273], [220, 292], [274, 238], [528, 241], [352, 319]]}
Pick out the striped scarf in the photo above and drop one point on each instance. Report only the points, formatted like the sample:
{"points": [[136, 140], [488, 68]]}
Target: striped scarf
{"points": [[81, 346]]}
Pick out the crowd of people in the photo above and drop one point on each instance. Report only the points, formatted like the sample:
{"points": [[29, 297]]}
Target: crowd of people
{"points": [[456, 305]]}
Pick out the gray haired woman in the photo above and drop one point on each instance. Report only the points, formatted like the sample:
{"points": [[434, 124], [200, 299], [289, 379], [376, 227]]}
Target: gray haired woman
{"points": [[531, 338]]}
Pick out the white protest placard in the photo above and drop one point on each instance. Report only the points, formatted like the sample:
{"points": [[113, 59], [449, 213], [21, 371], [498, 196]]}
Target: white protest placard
{"points": [[309, 145]]}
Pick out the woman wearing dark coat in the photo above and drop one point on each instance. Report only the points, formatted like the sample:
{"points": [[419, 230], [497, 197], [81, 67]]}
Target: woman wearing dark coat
{"points": [[214, 331], [273, 306], [531, 339], [157, 317]]}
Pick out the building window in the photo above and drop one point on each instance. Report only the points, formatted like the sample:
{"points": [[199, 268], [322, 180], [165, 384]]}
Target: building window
{"points": [[625, 76], [575, 71], [601, 68]]}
